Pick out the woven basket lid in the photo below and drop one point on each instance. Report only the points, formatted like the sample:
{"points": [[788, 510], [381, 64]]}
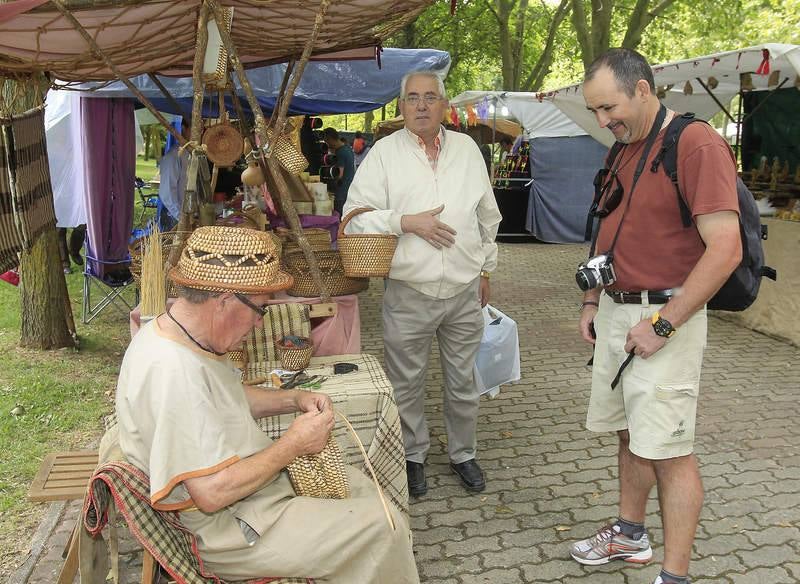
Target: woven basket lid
{"points": [[224, 144], [230, 259]]}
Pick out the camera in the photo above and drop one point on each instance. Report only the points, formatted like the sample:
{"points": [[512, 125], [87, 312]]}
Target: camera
{"points": [[597, 271], [329, 174]]}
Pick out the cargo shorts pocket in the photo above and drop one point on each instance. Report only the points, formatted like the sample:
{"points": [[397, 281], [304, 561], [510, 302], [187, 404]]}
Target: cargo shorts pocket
{"points": [[675, 410]]}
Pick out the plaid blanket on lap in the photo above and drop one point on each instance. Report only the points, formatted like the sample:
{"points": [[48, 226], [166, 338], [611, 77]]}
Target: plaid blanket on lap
{"points": [[161, 533]]}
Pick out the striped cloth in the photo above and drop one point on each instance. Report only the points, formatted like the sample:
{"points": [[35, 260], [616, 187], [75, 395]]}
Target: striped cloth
{"points": [[161, 533], [26, 195], [366, 398]]}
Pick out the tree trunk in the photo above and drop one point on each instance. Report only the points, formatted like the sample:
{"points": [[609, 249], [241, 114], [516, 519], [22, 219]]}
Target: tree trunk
{"points": [[369, 117], [44, 302], [43, 296]]}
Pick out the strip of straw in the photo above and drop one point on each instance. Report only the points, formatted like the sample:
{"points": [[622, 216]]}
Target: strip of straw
{"points": [[153, 282]]}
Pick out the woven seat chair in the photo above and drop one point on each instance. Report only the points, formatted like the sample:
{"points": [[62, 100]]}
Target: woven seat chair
{"points": [[124, 487]]}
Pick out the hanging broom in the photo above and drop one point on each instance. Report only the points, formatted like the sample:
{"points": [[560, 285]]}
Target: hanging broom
{"points": [[153, 282]]}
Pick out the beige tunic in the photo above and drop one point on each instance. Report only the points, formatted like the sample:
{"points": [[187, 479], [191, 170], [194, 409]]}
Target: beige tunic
{"points": [[183, 412]]}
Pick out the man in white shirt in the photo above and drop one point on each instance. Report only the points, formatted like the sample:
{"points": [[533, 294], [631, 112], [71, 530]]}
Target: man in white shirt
{"points": [[430, 187]]}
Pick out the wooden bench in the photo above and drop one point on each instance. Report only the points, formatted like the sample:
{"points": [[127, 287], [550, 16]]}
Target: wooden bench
{"points": [[63, 476]]}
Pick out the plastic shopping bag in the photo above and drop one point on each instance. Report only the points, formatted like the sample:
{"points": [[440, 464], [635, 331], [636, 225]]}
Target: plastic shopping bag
{"points": [[497, 361]]}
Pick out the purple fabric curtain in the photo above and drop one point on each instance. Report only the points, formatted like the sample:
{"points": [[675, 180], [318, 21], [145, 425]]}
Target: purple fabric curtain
{"points": [[109, 146]]}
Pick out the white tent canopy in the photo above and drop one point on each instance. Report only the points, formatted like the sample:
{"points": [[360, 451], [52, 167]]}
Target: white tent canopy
{"points": [[540, 119], [760, 61]]}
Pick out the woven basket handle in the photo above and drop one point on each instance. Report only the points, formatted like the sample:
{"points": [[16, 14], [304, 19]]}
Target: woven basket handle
{"points": [[350, 215], [371, 470]]}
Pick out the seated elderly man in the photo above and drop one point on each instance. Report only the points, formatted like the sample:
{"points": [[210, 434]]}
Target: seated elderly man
{"points": [[188, 422]]}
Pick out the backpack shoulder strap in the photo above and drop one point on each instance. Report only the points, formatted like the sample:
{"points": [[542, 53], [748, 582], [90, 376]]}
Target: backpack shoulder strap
{"points": [[668, 157]]}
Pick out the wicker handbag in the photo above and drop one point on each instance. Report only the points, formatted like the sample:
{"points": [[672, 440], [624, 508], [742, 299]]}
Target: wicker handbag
{"points": [[330, 265], [320, 475], [323, 475], [365, 255]]}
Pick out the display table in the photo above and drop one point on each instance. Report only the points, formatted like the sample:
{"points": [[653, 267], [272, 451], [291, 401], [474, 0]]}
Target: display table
{"points": [[366, 399], [512, 201], [335, 335], [776, 311]]}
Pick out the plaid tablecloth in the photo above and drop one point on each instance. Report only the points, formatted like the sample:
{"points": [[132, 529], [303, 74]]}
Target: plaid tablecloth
{"points": [[366, 398]]}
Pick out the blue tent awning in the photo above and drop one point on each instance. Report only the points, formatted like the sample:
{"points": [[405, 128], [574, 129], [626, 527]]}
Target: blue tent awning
{"points": [[327, 87]]}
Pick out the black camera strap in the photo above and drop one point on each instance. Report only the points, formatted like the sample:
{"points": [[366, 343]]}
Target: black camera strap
{"points": [[651, 138]]}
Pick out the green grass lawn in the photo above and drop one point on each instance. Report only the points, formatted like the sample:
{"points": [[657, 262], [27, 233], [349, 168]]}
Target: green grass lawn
{"points": [[51, 401]]}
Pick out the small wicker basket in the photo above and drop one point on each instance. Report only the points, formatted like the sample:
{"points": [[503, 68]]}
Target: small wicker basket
{"points": [[295, 358], [365, 255]]}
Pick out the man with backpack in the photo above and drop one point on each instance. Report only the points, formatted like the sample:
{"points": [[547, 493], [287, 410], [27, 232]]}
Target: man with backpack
{"points": [[646, 286]]}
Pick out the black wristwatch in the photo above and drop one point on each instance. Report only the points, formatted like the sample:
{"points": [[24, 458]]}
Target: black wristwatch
{"points": [[662, 327]]}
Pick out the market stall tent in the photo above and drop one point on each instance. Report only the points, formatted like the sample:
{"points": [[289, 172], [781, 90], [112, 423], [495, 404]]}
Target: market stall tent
{"points": [[563, 161], [702, 85], [327, 87]]}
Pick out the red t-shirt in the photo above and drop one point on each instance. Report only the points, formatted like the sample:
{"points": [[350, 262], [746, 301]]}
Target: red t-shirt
{"points": [[654, 250]]}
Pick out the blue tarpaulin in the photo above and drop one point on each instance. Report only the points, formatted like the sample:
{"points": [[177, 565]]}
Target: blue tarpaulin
{"points": [[327, 87]]}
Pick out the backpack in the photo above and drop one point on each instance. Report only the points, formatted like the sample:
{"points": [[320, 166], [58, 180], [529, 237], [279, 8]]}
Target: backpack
{"points": [[741, 288]]}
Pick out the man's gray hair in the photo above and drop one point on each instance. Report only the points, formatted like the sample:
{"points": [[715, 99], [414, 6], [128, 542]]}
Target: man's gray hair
{"points": [[627, 66], [431, 74], [195, 296]]}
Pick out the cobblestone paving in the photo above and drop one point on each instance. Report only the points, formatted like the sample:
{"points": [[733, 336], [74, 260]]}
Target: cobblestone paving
{"points": [[550, 481]]}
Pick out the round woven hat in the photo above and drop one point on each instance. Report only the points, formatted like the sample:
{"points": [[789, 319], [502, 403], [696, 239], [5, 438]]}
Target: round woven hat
{"points": [[230, 259], [224, 144]]}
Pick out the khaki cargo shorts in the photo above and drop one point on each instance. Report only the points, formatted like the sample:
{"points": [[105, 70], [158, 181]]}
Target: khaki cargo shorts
{"points": [[656, 399]]}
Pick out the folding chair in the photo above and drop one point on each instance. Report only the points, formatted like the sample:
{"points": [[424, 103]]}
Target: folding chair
{"points": [[149, 201], [112, 280]]}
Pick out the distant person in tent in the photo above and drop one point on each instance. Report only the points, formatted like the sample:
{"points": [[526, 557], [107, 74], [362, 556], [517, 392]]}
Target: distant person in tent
{"points": [[429, 187], [173, 168], [505, 148], [345, 160], [360, 148]]}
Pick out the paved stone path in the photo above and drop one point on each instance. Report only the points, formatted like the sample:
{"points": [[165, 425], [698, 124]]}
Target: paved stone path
{"points": [[550, 481]]}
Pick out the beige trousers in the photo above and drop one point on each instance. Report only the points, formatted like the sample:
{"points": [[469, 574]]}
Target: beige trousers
{"points": [[410, 321]]}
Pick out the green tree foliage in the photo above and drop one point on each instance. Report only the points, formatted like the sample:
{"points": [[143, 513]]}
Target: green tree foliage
{"points": [[528, 45]]}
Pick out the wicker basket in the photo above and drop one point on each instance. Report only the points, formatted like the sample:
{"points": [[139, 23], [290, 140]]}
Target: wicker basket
{"points": [[169, 240], [365, 255], [330, 265], [320, 475], [295, 358], [319, 239]]}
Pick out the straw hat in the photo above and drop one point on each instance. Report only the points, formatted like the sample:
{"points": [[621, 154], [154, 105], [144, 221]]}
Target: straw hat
{"points": [[230, 259]]}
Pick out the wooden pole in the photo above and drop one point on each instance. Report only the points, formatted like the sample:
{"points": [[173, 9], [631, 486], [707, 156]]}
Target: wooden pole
{"points": [[267, 163], [59, 4], [194, 177]]}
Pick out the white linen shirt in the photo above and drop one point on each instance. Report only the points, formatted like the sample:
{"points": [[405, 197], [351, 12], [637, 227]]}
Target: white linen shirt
{"points": [[396, 179]]}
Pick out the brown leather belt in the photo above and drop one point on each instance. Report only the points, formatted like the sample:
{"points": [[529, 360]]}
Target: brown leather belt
{"points": [[644, 297]]}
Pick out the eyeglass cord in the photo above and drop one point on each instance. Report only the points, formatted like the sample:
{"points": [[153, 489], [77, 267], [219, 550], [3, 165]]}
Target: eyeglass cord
{"points": [[191, 338]]}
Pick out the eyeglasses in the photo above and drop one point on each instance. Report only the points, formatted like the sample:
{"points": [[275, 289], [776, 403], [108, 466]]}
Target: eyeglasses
{"points": [[413, 100], [260, 310]]}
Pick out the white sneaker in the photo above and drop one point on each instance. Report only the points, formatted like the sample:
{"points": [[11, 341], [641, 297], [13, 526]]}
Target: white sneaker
{"points": [[610, 544], [660, 580]]}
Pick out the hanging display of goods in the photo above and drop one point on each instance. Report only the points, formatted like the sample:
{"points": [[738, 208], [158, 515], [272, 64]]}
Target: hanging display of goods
{"points": [[223, 143], [330, 267], [365, 255]]}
